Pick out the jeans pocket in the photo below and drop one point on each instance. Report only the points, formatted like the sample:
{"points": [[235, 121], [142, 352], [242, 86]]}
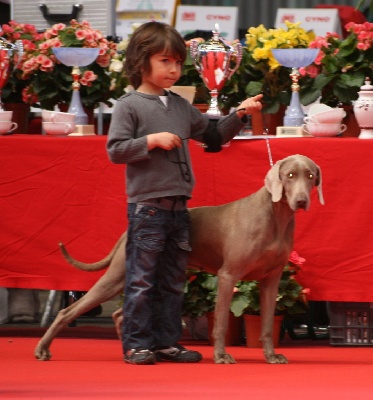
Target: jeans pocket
{"points": [[149, 244], [184, 246]]}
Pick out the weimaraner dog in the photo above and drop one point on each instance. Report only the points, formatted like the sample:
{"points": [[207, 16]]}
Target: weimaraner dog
{"points": [[247, 239]]}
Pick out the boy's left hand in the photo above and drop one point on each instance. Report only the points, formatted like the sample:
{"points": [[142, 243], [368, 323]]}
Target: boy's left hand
{"points": [[250, 106]]}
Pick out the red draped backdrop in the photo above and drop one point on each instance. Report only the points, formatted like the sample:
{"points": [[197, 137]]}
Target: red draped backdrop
{"points": [[65, 189]]}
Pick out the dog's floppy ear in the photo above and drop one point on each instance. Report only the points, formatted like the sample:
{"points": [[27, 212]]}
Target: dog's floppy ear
{"points": [[319, 185], [273, 182]]}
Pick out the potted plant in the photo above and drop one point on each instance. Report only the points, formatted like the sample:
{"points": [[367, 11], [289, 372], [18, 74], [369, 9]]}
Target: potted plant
{"points": [[340, 68], [13, 94], [13, 31], [200, 291], [290, 300], [262, 72], [51, 81]]}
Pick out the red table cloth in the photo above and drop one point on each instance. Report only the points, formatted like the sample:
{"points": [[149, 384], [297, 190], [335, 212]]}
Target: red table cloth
{"points": [[65, 189]]}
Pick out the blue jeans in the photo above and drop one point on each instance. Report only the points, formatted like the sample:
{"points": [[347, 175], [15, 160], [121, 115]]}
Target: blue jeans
{"points": [[156, 259]]}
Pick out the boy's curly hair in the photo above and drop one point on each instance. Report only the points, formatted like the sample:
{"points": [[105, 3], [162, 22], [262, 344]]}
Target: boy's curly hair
{"points": [[149, 39]]}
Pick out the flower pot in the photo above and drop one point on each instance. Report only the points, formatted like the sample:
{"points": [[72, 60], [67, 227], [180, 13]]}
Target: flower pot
{"points": [[21, 115], [353, 129], [234, 332], [197, 327], [253, 328], [272, 121]]}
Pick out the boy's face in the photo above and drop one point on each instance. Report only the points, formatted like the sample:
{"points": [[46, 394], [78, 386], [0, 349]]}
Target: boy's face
{"points": [[165, 71]]}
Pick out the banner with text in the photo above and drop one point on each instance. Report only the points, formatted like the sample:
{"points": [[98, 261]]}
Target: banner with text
{"points": [[320, 21], [193, 18]]}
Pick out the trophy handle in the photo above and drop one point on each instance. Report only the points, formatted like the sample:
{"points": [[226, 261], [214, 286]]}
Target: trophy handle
{"points": [[19, 47], [237, 54], [194, 54]]}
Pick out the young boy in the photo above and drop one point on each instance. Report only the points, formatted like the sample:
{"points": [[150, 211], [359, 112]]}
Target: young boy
{"points": [[149, 131]]}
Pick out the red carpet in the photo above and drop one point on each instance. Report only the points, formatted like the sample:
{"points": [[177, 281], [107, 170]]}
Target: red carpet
{"points": [[93, 369]]}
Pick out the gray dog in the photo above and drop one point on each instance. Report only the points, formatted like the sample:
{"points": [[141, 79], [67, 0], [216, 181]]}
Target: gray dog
{"points": [[248, 239]]}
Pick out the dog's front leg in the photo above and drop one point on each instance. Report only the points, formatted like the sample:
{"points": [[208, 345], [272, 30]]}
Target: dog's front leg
{"points": [[225, 292], [268, 295]]}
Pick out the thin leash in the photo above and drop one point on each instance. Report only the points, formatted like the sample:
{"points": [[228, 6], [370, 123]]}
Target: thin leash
{"points": [[269, 151], [270, 158]]}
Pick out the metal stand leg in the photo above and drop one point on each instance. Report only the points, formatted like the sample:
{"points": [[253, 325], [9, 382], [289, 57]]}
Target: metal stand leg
{"points": [[48, 308]]}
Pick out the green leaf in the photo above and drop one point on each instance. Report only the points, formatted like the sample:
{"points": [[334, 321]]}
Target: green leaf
{"points": [[322, 80], [238, 305], [354, 80], [309, 96], [253, 88]]}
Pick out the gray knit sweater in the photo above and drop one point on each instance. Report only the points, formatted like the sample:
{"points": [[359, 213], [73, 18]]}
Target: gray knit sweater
{"points": [[159, 173]]}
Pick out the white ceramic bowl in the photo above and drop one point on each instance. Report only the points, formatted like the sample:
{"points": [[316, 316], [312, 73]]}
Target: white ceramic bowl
{"points": [[58, 128], [7, 126], [6, 115], [324, 130], [335, 115], [317, 108], [57, 116]]}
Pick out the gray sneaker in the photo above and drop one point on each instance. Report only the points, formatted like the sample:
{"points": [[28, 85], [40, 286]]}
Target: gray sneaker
{"points": [[177, 353], [140, 356]]}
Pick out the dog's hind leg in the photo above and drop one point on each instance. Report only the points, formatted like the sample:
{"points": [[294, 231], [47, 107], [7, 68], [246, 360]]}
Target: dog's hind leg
{"points": [[108, 286], [118, 321]]}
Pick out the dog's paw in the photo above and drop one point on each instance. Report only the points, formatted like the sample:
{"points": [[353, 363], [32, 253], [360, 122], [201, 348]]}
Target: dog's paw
{"points": [[42, 354], [276, 359], [224, 358]]}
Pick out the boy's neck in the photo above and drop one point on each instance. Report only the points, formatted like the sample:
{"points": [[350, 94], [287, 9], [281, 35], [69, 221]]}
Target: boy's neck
{"points": [[156, 91]]}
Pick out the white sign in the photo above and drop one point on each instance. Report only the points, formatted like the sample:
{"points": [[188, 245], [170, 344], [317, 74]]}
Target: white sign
{"points": [[320, 21], [131, 12], [192, 18]]}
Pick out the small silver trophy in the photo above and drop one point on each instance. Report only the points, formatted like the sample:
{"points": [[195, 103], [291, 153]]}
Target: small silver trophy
{"points": [[212, 60], [6, 52]]}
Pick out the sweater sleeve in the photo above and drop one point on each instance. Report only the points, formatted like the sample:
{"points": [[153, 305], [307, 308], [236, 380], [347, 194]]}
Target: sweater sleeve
{"points": [[122, 145], [220, 130]]}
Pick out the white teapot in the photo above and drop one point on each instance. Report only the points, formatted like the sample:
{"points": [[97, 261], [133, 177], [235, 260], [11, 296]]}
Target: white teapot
{"points": [[363, 110]]}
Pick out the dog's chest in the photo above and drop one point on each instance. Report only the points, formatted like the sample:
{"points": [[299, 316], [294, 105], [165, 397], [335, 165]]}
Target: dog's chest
{"points": [[265, 264]]}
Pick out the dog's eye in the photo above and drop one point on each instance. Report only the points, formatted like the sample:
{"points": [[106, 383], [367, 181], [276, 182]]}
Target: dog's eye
{"points": [[290, 175], [310, 176]]}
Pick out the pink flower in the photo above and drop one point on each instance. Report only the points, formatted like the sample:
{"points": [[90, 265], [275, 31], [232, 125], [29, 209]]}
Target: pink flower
{"points": [[312, 71], [87, 78], [28, 96], [80, 34], [7, 28], [104, 60], [44, 46], [296, 259]]}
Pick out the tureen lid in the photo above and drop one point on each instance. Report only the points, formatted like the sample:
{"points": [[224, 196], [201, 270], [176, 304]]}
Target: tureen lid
{"points": [[367, 85]]}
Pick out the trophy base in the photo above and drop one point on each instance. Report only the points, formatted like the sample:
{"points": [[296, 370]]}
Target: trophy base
{"points": [[214, 113]]}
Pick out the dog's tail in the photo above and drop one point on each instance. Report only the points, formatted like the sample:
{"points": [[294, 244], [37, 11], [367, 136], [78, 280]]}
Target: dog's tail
{"points": [[95, 266]]}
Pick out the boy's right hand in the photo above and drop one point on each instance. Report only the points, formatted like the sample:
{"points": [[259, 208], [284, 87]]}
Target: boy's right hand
{"points": [[164, 140]]}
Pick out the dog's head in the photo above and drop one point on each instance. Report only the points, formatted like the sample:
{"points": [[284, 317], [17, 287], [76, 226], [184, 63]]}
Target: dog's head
{"points": [[292, 179]]}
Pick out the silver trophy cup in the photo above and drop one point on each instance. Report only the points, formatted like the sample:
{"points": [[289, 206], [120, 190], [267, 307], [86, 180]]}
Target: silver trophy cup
{"points": [[7, 50], [213, 60]]}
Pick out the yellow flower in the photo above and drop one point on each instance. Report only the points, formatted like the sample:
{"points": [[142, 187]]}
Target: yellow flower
{"points": [[260, 53], [293, 37]]}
